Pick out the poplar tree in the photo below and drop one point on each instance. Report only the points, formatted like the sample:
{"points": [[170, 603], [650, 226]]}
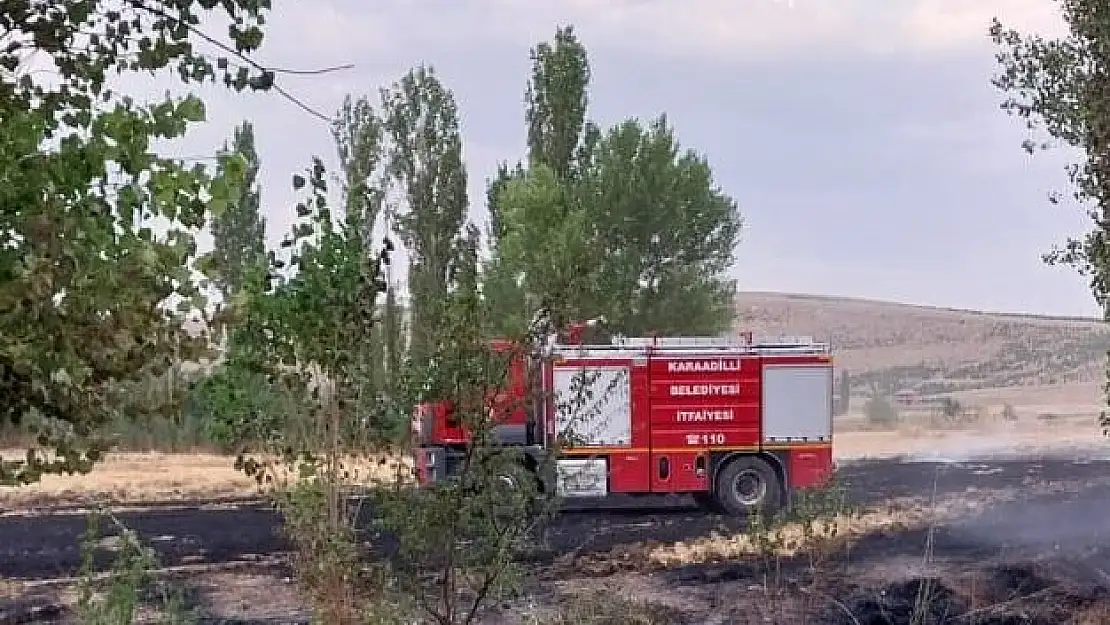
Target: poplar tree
{"points": [[425, 160], [559, 140], [557, 97], [239, 233], [359, 134]]}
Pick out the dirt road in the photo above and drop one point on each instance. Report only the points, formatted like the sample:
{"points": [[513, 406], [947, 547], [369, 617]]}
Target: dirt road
{"points": [[1058, 505]]}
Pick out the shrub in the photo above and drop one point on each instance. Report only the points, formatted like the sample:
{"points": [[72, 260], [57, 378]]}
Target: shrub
{"points": [[880, 411]]}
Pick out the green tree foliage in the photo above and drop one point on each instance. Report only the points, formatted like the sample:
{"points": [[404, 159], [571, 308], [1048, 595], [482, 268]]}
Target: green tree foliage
{"points": [[296, 326], [425, 159], [239, 233], [880, 411], [236, 404], [844, 393], [665, 234], [236, 401], [240, 403], [636, 224], [493, 196], [557, 98], [545, 250], [1062, 87], [558, 138], [97, 230], [458, 541], [359, 137], [298, 329]]}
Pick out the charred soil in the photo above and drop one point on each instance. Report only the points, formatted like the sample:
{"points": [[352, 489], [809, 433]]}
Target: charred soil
{"points": [[1035, 555]]}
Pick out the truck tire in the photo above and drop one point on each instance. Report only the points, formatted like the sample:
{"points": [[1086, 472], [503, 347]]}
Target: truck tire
{"points": [[746, 485], [518, 485]]}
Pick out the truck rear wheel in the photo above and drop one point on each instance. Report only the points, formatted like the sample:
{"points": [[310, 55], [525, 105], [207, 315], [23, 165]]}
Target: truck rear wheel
{"points": [[748, 484]]}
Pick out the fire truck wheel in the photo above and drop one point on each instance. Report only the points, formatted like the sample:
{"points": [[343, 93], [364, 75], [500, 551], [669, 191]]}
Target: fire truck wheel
{"points": [[748, 484], [516, 482]]}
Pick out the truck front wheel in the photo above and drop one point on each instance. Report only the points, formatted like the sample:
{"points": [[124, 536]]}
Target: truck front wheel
{"points": [[748, 484], [516, 485]]}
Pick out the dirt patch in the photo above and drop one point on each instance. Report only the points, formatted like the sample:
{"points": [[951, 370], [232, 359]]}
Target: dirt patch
{"points": [[722, 581], [839, 592], [623, 604], [249, 597], [265, 594], [745, 590]]}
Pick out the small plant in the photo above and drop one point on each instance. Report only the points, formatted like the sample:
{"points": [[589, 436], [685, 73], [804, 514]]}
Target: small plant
{"points": [[812, 525], [292, 334], [328, 557], [951, 408], [461, 538], [820, 513], [130, 579], [925, 597], [769, 538], [880, 411]]}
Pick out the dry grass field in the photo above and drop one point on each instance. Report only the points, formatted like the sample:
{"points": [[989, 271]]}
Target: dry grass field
{"points": [[136, 479]]}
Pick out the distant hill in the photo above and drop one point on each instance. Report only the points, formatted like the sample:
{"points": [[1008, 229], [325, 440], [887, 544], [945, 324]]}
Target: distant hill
{"points": [[931, 350]]}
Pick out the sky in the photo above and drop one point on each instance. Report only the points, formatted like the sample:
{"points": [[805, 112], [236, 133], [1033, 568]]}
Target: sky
{"points": [[861, 139]]}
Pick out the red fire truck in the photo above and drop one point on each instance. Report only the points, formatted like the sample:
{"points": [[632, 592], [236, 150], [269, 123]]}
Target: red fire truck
{"points": [[737, 423]]}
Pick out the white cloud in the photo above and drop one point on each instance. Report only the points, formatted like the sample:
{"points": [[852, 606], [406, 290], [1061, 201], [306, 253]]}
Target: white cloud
{"points": [[942, 24]]}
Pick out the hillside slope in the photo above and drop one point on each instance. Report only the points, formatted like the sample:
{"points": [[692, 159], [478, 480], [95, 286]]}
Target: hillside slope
{"points": [[936, 350]]}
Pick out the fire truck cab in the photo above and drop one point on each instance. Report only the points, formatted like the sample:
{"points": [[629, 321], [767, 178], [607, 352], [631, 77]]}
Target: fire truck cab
{"points": [[739, 424]]}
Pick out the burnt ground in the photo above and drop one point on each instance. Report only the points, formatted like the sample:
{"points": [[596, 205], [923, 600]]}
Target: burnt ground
{"points": [[1058, 517]]}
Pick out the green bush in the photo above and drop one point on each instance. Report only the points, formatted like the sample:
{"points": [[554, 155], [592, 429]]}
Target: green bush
{"points": [[880, 411], [234, 404]]}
